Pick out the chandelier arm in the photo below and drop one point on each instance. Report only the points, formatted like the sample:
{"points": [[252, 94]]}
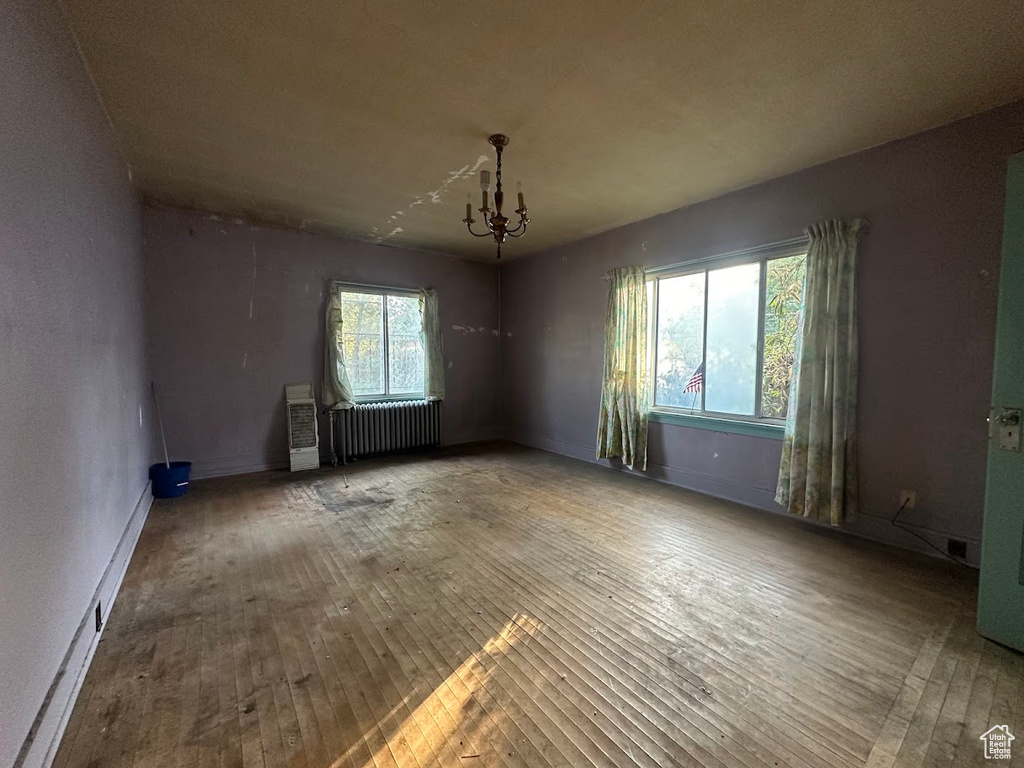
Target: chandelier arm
{"points": [[523, 224], [488, 220], [474, 234], [523, 221]]}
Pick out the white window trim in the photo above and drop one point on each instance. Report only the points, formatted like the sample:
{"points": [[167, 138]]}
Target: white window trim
{"points": [[382, 290], [714, 419]]}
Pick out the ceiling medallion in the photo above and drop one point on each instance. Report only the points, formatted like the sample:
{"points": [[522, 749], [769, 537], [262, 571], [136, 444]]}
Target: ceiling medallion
{"points": [[497, 225]]}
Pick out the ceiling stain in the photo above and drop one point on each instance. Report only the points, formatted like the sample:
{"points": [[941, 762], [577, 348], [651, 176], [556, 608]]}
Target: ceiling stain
{"points": [[322, 117], [436, 197]]}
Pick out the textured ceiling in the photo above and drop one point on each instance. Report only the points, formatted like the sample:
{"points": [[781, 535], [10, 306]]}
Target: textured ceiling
{"points": [[369, 118]]}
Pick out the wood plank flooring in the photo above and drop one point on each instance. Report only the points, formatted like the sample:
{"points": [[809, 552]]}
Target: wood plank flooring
{"points": [[500, 606]]}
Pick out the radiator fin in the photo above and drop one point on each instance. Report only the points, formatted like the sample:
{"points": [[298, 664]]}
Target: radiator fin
{"points": [[372, 429]]}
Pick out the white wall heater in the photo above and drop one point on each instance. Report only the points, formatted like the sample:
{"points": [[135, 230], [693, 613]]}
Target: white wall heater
{"points": [[303, 432]]}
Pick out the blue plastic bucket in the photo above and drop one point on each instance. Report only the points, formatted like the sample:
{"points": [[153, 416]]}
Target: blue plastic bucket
{"points": [[171, 481]]}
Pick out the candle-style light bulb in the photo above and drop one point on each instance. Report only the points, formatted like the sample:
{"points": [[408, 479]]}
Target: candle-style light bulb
{"points": [[485, 184], [519, 187], [469, 207]]}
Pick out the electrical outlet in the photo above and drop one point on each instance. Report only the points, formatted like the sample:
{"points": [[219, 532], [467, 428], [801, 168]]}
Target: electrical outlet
{"points": [[908, 499]]}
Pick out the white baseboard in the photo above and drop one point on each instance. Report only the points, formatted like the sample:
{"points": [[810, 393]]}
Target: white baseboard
{"points": [[243, 464], [44, 737], [465, 438]]}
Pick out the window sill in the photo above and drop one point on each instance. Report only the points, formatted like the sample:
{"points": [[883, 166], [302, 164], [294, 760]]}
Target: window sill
{"points": [[366, 400], [718, 424]]}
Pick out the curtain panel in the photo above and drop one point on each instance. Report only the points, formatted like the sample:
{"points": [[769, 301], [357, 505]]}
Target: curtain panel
{"points": [[433, 345], [622, 425], [337, 390], [818, 472]]}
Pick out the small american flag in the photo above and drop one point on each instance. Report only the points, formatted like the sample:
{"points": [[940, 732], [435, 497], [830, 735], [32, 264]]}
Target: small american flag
{"points": [[695, 382]]}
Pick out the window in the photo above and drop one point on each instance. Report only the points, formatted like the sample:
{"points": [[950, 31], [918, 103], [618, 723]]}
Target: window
{"points": [[382, 336], [724, 332]]}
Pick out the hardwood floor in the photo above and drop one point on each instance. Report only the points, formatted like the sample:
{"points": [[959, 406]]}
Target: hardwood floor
{"points": [[501, 606]]}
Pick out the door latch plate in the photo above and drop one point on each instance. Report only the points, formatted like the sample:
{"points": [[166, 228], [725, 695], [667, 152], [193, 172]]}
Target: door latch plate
{"points": [[1007, 426]]}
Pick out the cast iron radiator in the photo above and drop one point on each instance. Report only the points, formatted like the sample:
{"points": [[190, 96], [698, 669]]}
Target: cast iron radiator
{"points": [[370, 429]]}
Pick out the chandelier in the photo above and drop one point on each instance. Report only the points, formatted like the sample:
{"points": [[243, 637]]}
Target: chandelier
{"points": [[497, 225]]}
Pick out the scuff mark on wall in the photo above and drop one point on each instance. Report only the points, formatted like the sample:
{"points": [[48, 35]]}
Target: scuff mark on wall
{"points": [[245, 359], [466, 330], [252, 290]]}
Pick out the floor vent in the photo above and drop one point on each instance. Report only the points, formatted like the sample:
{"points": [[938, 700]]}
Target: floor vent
{"points": [[372, 429]]}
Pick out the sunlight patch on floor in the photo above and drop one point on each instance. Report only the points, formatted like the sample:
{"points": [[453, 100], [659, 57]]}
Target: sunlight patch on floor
{"points": [[439, 728]]}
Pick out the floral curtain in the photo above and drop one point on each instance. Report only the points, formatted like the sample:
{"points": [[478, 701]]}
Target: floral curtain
{"points": [[622, 427], [338, 393], [432, 345], [818, 473]]}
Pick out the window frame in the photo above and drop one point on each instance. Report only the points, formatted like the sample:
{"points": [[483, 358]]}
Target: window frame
{"points": [[385, 291], [756, 424]]}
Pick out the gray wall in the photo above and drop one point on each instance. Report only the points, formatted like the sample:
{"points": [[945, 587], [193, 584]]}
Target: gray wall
{"points": [[72, 374], [928, 280], [237, 311]]}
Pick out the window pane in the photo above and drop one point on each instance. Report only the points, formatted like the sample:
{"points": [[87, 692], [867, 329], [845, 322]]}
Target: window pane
{"points": [[406, 360], [783, 299], [680, 340], [363, 341], [733, 297]]}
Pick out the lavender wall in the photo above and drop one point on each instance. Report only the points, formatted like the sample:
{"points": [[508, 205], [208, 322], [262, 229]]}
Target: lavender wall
{"points": [[237, 311], [72, 379], [928, 279]]}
